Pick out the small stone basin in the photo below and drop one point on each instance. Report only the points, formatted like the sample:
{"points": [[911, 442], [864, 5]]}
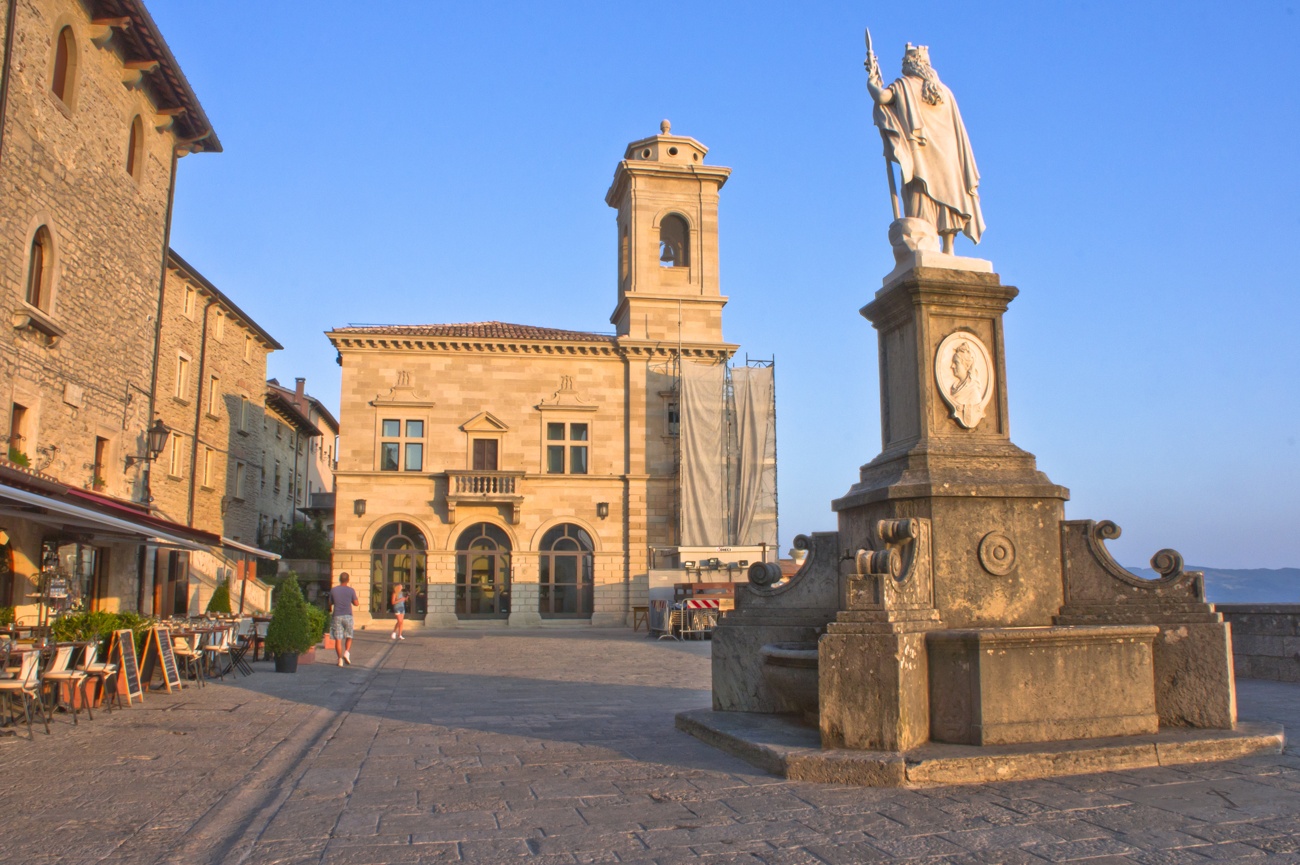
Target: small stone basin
{"points": [[790, 671]]}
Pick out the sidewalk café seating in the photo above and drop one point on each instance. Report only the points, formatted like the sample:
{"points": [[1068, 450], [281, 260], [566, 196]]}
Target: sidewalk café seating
{"points": [[27, 687], [239, 647], [216, 652], [61, 673], [190, 657], [258, 635], [101, 672]]}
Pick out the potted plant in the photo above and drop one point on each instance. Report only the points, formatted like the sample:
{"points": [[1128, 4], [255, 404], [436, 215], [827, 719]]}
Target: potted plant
{"points": [[318, 620], [220, 600], [290, 632]]}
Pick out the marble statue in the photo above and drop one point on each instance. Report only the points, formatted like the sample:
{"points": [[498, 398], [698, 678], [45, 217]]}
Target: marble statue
{"points": [[923, 132]]}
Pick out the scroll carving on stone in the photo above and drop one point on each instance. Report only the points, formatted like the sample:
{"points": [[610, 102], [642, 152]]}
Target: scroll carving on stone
{"points": [[963, 370]]}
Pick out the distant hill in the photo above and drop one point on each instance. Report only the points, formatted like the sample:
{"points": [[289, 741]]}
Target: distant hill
{"points": [[1244, 585]]}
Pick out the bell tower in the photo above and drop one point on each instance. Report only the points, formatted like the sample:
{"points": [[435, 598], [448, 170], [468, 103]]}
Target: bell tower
{"points": [[667, 202]]}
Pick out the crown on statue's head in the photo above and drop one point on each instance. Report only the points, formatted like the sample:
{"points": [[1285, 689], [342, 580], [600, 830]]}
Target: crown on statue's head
{"points": [[917, 53]]}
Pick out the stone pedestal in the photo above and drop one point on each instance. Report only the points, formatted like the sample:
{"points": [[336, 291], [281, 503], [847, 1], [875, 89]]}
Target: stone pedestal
{"points": [[947, 453], [1001, 686]]}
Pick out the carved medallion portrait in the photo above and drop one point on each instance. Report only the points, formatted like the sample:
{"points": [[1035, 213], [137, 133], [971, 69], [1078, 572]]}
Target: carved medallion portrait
{"points": [[963, 370]]}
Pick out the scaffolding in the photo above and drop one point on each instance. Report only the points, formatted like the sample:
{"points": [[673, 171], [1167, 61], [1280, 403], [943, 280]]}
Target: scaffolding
{"points": [[726, 453]]}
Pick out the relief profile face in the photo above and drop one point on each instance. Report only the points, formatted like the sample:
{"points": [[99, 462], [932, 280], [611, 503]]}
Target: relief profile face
{"points": [[963, 371]]}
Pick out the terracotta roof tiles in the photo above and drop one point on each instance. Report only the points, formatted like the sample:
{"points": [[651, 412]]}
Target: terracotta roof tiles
{"points": [[479, 330]]}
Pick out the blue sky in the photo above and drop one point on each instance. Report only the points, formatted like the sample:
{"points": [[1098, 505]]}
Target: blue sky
{"points": [[439, 162]]}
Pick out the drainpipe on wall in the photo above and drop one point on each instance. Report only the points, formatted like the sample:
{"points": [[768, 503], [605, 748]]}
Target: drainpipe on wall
{"points": [[198, 417], [157, 325], [11, 16]]}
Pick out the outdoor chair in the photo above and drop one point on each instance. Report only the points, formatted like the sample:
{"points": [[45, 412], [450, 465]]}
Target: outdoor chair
{"points": [[216, 652], [61, 673], [190, 657], [101, 672], [27, 687], [239, 648]]}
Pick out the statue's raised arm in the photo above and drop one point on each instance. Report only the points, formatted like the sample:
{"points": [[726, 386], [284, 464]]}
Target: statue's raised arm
{"points": [[923, 132]]}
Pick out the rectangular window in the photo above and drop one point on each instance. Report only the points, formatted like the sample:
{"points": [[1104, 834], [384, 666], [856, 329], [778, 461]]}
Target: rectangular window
{"points": [[214, 396], [248, 346], [277, 476], [566, 438], [17, 430], [245, 414], [209, 466], [219, 326], [187, 305], [176, 457], [485, 455], [401, 446], [101, 457], [182, 376], [239, 479], [674, 418]]}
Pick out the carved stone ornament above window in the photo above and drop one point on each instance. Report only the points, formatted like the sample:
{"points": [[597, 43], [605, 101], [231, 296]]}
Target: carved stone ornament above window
{"points": [[485, 422], [565, 398], [403, 393]]}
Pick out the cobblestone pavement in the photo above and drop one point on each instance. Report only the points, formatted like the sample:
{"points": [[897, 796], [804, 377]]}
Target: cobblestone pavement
{"points": [[552, 746]]}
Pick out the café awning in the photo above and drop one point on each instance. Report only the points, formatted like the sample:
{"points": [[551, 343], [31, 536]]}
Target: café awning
{"points": [[59, 513], [252, 551]]}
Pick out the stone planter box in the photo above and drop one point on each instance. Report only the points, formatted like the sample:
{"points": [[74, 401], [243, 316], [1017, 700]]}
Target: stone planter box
{"points": [[996, 686]]}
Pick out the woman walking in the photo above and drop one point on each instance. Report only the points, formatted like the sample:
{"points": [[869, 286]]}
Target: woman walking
{"points": [[399, 609]]}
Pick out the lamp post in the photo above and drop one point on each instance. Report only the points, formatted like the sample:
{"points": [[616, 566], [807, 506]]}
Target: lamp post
{"points": [[155, 441]]}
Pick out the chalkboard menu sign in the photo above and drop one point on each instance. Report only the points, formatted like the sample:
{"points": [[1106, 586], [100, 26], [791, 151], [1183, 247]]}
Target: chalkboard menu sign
{"points": [[122, 653], [158, 657]]}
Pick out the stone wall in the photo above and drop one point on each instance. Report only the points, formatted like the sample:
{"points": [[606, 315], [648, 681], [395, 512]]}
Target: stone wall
{"points": [[1265, 640]]}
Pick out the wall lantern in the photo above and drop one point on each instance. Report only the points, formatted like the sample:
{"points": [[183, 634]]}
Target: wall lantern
{"points": [[359, 507], [602, 509], [157, 440]]}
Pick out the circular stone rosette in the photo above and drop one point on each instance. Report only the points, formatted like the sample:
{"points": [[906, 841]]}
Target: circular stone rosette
{"points": [[997, 554]]}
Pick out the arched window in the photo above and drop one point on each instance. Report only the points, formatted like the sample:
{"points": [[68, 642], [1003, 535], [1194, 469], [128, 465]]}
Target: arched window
{"points": [[39, 270], [483, 572], [135, 148], [674, 242], [397, 557], [566, 575], [63, 78]]}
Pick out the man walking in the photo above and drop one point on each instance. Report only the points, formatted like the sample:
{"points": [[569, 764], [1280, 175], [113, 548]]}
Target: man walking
{"points": [[342, 599]]}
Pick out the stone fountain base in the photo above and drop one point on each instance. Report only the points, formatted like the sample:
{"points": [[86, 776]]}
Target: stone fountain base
{"points": [[784, 746]]}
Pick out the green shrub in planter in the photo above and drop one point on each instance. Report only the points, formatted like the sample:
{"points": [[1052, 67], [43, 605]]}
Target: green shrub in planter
{"points": [[220, 600], [290, 631], [319, 622]]}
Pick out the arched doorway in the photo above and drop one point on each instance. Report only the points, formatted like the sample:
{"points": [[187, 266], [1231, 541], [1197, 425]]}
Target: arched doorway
{"points": [[566, 576], [397, 555], [483, 572]]}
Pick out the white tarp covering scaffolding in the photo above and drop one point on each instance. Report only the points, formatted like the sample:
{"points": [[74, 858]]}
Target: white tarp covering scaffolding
{"points": [[753, 472], [728, 455]]}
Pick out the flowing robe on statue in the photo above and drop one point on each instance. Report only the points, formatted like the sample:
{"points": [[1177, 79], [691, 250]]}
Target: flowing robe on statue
{"points": [[929, 143]]}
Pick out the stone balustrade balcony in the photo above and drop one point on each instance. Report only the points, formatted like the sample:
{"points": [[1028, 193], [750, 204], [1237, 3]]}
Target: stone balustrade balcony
{"points": [[484, 487]]}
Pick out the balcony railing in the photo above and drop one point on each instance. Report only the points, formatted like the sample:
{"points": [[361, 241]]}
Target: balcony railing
{"points": [[484, 487], [483, 483]]}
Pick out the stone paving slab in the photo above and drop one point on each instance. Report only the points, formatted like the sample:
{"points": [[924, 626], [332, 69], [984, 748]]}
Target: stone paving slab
{"points": [[559, 746]]}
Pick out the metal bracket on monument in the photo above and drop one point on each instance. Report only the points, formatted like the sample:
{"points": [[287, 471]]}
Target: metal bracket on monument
{"points": [[1092, 575], [896, 573]]}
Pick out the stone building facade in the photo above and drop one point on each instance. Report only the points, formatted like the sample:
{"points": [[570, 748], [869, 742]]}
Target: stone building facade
{"points": [[287, 430], [211, 394], [94, 114], [521, 474]]}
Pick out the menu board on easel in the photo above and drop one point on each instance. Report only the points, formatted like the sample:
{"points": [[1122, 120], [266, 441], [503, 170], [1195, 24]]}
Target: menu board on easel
{"points": [[122, 653], [158, 657]]}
